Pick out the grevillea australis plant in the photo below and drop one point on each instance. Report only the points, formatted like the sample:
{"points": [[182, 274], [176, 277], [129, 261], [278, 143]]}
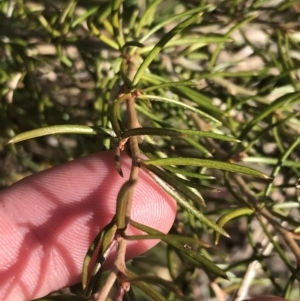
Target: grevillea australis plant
{"points": [[162, 81]]}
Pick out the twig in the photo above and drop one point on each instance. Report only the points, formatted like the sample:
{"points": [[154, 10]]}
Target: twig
{"points": [[119, 265], [220, 295], [284, 233], [253, 267], [105, 289]]}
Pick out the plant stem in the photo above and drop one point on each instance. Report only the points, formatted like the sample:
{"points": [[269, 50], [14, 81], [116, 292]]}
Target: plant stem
{"points": [[119, 264], [104, 291]]}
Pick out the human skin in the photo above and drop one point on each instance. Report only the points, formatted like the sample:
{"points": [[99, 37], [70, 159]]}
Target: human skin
{"points": [[48, 220]]}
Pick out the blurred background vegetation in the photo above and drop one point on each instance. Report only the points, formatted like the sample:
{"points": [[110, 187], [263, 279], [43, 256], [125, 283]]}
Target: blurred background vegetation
{"points": [[60, 64]]}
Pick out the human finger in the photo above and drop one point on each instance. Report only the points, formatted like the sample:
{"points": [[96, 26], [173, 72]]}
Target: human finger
{"points": [[48, 220]]}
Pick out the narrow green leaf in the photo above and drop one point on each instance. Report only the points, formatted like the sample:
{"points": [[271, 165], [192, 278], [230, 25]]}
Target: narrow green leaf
{"points": [[197, 186], [199, 99], [180, 41], [278, 165], [84, 16], [117, 21], [175, 183], [104, 131], [152, 116], [228, 34], [94, 30], [195, 256], [131, 44], [229, 216], [133, 20], [106, 243], [43, 21], [282, 254], [117, 162], [187, 92], [207, 163], [277, 104], [198, 146], [169, 237], [54, 129], [202, 261], [185, 204], [114, 113], [289, 287], [87, 259], [271, 161], [149, 291], [154, 280], [175, 133], [68, 9], [190, 174], [122, 200], [160, 45], [180, 104], [172, 264], [170, 84], [108, 237], [277, 138], [174, 18], [268, 128], [150, 10]]}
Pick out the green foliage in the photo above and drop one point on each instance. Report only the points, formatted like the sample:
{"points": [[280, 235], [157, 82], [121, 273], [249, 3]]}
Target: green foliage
{"points": [[225, 94]]}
